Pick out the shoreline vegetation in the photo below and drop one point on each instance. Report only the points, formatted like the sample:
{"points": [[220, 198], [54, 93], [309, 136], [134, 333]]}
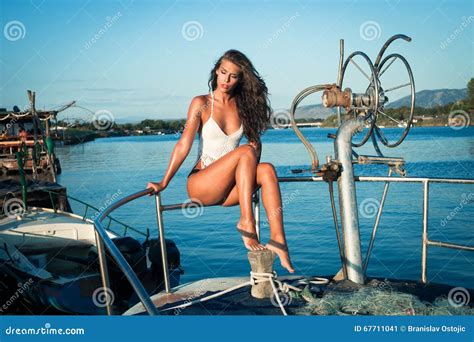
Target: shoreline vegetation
{"points": [[455, 114], [82, 133]]}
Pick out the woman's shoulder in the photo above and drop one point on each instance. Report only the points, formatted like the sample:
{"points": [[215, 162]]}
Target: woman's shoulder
{"points": [[200, 102], [200, 99]]}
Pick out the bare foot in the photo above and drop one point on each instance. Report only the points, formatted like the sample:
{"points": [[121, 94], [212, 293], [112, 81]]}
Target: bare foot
{"points": [[283, 255], [246, 228]]}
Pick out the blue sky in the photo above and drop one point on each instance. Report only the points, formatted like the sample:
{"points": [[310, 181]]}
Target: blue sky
{"points": [[141, 59]]}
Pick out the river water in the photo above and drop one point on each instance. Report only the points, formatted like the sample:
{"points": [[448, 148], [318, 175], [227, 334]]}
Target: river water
{"points": [[109, 168]]}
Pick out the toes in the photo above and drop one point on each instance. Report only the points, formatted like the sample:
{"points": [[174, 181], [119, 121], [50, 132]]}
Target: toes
{"points": [[256, 247]]}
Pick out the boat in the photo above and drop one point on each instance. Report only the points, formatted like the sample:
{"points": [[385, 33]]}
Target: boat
{"points": [[351, 291], [54, 254], [49, 256], [26, 142]]}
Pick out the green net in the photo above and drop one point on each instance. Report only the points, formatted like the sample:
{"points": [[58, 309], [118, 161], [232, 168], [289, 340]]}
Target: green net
{"points": [[379, 299]]}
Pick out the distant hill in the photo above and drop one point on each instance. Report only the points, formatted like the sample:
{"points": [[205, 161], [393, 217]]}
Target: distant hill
{"points": [[317, 111], [424, 98], [432, 98]]}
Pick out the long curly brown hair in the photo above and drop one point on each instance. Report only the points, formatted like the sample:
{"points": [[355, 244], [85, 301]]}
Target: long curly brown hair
{"points": [[251, 95]]}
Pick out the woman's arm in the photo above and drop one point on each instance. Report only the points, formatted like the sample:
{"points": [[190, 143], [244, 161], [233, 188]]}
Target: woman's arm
{"points": [[184, 144]]}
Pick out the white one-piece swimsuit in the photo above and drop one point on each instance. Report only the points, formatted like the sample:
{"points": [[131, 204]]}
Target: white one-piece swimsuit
{"points": [[213, 142]]}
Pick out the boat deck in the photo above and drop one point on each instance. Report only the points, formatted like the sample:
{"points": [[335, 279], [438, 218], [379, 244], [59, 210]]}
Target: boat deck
{"points": [[379, 296]]}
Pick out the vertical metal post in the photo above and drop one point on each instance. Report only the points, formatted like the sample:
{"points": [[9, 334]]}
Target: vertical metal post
{"points": [[256, 211], [49, 143], [377, 221], [104, 273], [21, 171], [161, 233], [348, 200], [424, 245], [32, 98]]}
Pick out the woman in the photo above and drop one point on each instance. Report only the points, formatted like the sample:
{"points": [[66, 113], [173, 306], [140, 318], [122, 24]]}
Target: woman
{"points": [[226, 173]]}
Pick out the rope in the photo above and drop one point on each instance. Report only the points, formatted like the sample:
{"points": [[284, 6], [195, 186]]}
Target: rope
{"points": [[201, 300], [255, 278], [14, 115]]}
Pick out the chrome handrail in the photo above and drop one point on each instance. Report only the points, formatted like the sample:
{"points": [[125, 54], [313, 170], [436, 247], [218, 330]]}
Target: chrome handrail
{"points": [[119, 258], [425, 181], [103, 240], [125, 226], [143, 295]]}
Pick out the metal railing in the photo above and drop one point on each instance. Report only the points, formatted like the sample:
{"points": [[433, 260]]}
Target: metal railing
{"points": [[160, 208], [88, 207], [103, 240], [425, 182]]}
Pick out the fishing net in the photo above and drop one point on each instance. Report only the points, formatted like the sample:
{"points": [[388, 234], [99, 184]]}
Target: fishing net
{"points": [[379, 298]]}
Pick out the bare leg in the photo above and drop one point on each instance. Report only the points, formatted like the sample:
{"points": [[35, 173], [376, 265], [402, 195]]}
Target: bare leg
{"points": [[245, 182], [271, 196], [213, 184]]}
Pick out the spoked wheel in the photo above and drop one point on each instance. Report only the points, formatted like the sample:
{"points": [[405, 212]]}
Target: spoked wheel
{"points": [[395, 68], [365, 102]]}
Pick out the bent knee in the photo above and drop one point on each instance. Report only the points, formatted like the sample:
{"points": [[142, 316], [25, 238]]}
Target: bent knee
{"points": [[247, 151], [266, 171]]}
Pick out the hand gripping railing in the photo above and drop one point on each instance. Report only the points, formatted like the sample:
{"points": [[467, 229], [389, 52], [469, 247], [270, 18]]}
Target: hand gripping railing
{"points": [[103, 239]]}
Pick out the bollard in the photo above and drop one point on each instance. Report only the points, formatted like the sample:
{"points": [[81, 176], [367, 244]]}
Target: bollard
{"points": [[262, 262]]}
